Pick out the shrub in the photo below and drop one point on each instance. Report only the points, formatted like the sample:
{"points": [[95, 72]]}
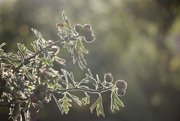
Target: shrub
{"points": [[28, 78]]}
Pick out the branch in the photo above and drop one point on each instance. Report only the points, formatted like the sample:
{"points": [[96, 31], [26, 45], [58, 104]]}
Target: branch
{"points": [[5, 105], [33, 56], [81, 89]]}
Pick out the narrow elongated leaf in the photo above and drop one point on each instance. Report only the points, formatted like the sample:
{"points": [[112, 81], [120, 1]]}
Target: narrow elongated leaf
{"points": [[60, 60], [115, 102]]}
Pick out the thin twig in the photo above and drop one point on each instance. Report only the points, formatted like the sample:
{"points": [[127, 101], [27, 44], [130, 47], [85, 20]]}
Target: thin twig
{"points": [[33, 56], [81, 89]]}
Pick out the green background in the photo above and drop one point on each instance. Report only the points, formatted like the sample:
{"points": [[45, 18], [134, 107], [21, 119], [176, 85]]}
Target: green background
{"points": [[136, 40]]}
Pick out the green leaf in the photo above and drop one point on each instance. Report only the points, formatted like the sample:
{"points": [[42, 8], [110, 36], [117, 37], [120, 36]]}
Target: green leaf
{"points": [[115, 102], [47, 61], [99, 107], [67, 46], [76, 99], [21, 47], [86, 100], [65, 104], [1, 52], [81, 46]]}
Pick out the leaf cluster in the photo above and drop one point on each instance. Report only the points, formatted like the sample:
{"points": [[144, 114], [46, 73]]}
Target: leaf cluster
{"points": [[28, 78]]}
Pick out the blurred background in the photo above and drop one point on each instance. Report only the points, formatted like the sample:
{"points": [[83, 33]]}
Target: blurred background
{"points": [[136, 40]]}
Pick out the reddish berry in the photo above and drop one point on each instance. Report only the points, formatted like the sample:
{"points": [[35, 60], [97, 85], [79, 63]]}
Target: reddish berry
{"points": [[60, 25]]}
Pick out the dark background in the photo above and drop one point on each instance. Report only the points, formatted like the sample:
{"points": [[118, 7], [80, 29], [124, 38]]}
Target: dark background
{"points": [[136, 40]]}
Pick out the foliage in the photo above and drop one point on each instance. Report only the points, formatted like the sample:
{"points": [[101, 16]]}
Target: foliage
{"points": [[28, 78]]}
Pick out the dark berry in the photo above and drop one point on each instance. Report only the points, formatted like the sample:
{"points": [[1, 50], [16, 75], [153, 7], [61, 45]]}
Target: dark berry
{"points": [[121, 84], [121, 92], [78, 28], [90, 39], [87, 26], [108, 78], [87, 32]]}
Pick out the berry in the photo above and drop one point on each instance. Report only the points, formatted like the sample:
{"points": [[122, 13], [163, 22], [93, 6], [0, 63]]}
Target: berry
{"points": [[121, 92], [87, 26], [61, 25], [108, 78], [121, 84], [90, 39], [78, 28]]}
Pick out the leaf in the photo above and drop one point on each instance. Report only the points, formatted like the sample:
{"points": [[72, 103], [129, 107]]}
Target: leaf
{"points": [[71, 77], [86, 100], [76, 99], [60, 60], [2, 45], [21, 47], [81, 46], [99, 107], [65, 104], [115, 102], [57, 103], [67, 46], [47, 61], [38, 34]]}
